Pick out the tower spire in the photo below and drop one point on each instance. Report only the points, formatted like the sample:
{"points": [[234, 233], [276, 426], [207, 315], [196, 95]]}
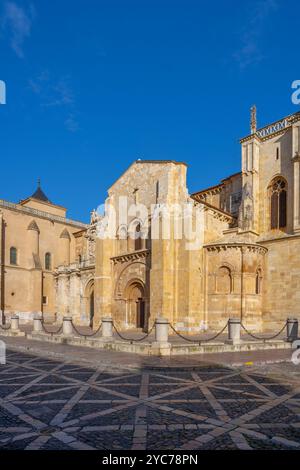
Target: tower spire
{"points": [[39, 193], [253, 120]]}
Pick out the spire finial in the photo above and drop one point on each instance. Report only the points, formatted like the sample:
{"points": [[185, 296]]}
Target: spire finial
{"points": [[39, 182], [253, 120]]}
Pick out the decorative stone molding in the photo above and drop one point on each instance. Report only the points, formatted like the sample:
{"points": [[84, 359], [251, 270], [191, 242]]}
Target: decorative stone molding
{"points": [[33, 226], [91, 235], [289, 121], [136, 255], [216, 212], [73, 268], [296, 158], [252, 248], [65, 234], [295, 117], [201, 195], [134, 272], [40, 214]]}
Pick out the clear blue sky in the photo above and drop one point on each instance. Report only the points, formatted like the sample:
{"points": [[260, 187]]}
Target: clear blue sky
{"points": [[93, 85]]}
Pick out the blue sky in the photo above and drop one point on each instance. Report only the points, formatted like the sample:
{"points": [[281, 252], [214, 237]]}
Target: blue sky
{"points": [[93, 85]]}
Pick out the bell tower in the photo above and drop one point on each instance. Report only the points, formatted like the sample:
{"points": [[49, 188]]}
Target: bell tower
{"points": [[249, 212]]}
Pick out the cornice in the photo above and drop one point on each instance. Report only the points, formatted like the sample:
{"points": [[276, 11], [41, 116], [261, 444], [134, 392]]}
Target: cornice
{"points": [[136, 255], [250, 137], [291, 119], [36, 213], [296, 158], [236, 246], [217, 213], [217, 189]]}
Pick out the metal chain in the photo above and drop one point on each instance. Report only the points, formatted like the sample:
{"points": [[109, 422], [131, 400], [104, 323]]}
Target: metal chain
{"points": [[132, 340], [5, 328], [87, 335], [263, 339], [51, 332], [195, 340]]}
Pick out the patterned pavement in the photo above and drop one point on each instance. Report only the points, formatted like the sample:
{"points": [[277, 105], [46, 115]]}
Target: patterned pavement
{"points": [[48, 404]]}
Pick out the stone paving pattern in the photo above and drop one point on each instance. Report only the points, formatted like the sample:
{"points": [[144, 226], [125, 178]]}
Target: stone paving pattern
{"points": [[56, 404]]}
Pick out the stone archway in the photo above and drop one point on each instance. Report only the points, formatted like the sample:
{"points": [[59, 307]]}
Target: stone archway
{"points": [[136, 304], [89, 301], [132, 284]]}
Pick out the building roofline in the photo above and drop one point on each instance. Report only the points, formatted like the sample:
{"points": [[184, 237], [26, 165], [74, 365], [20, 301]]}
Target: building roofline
{"points": [[146, 161], [210, 188], [41, 214], [231, 176], [79, 232], [23, 201], [214, 208], [161, 161], [220, 185], [288, 117]]}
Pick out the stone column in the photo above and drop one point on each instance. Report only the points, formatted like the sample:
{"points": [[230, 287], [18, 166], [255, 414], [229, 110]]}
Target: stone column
{"points": [[65, 241], [249, 214], [67, 326], [2, 353], [33, 248], [161, 345], [161, 330], [107, 328], [15, 323], [234, 331], [296, 173], [292, 329], [33, 237], [63, 295], [74, 297], [2, 269], [37, 324], [103, 289]]}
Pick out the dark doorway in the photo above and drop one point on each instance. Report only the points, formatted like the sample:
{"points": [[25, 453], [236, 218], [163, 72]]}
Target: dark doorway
{"points": [[140, 317], [92, 309]]}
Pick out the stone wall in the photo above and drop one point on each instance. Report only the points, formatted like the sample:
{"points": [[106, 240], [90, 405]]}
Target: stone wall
{"points": [[28, 287]]}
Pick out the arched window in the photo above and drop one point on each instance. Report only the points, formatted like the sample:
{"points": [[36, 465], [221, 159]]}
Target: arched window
{"points": [[278, 191], [258, 281], [48, 261], [13, 256], [137, 238], [224, 280]]}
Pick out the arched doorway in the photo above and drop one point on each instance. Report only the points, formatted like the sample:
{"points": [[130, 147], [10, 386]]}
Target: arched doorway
{"points": [[89, 302], [136, 304], [92, 308]]}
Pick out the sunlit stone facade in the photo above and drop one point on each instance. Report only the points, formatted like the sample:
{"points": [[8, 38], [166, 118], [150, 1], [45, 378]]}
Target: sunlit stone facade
{"points": [[246, 264]]}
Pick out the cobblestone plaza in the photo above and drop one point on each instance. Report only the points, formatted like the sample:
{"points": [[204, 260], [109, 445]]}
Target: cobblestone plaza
{"points": [[60, 404]]}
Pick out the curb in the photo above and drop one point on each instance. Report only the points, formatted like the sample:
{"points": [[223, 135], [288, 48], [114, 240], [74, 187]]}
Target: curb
{"points": [[69, 358], [94, 363]]}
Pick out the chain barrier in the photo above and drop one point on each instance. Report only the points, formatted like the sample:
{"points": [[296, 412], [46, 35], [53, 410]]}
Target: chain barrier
{"points": [[133, 340], [195, 341], [5, 328], [51, 332], [86, 335], [263, 339]]}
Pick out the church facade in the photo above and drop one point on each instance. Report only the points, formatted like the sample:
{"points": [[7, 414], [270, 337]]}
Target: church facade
{"points": [[243, 260]]}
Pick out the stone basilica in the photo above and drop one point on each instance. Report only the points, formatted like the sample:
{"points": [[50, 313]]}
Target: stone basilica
{"points": [[247, 264]]}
